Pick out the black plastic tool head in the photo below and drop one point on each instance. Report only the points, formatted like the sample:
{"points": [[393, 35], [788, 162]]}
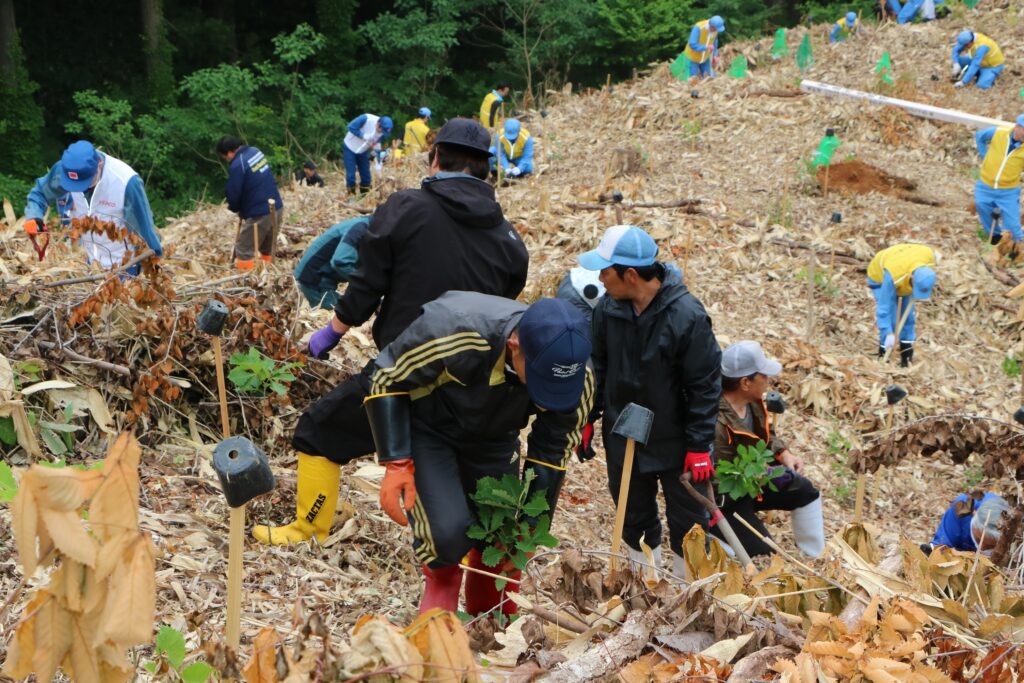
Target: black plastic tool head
{"points": [[634, 422], [243, 470], [894, 393], [212, 318], [830, 132], [1018, 415], [837, 217], [774, 402]]}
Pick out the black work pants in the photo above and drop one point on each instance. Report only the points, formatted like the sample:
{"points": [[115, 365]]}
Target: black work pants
{"points": [[798, 493], [447, 472], [336, 427], [642, 518]]}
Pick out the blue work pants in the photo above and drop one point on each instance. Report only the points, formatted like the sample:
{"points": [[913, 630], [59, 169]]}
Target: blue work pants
{"points": [[908, 333], [355, 161], [986, 199], [986, 76], [701, 69]]}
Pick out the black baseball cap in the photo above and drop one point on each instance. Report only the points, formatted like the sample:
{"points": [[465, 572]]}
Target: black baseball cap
{"points": [[467, 133]]}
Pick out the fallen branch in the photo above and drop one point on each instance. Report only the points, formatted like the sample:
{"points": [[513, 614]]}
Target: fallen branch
{"points": [[998, 273], [98, 276], [598, 206], [74, 355], [783, 92], [624, 646], [841, 257]]}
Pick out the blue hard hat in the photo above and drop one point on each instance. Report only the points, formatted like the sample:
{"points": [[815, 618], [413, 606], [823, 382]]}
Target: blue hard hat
{"points": [[924, 280], [851, 18], [964, 38], [512, 127], [717, 23], [1020, 120], [386, 124], [424, 112]]}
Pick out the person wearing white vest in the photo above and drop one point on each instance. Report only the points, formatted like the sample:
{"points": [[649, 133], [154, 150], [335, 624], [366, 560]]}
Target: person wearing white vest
{"points": [[89, 183], [364, 135]]}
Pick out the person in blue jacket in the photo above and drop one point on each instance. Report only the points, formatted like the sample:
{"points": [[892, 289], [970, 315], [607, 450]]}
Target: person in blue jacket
{"points": [[250, 188], [364, 135], [515, 150], [976, 56], [1002, 164], [844, 28], [702, 47], [89, 183], [330, 258], [970, 522], [906, 12]]}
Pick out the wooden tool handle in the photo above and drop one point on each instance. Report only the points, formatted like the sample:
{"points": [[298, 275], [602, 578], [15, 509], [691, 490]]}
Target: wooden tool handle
{"points": [[222, 392], [236, 545], [620, 509], [718, 518]]}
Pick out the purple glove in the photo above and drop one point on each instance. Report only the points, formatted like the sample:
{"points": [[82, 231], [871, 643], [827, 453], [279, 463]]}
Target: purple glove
{"points": [[322, 341]]}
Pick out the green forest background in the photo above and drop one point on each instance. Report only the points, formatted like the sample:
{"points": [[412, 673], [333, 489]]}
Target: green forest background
{"points": [[157, 82]]}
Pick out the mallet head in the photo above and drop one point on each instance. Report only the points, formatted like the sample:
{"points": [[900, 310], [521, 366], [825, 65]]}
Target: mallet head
{"points": [[617, 197], [634, 422], [212, 318], [243, 470], [695, 94], [894, 393], [830, 132], [837, 217], [774, 402], [1018, 415]]}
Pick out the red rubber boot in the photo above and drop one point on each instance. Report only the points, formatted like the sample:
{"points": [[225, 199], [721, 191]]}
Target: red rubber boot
{"points": [[442, 589], [481, 594]]}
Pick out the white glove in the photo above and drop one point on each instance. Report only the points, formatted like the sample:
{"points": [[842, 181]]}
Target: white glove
{"points": [[959, 84], [890, 341], [378, 167], [514, 171], [955, 72]]}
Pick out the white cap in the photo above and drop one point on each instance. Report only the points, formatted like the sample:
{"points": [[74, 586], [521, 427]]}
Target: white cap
{"points": [[744, 358]]}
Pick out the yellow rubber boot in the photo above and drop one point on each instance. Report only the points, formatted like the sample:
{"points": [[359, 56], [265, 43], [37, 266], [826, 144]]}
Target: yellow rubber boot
{"points": [[316, 499]]}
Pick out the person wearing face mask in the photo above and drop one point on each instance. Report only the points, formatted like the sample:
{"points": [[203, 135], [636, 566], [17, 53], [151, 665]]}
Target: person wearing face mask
{"points": [[972, 521], [743, 420]]}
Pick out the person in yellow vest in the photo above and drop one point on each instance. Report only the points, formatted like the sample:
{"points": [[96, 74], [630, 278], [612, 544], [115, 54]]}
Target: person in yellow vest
{"points": [[997, 192], [976, 56], [490, 108], [898, 276], [416, 131], [515, 150], [702, 47], [844, 28]]}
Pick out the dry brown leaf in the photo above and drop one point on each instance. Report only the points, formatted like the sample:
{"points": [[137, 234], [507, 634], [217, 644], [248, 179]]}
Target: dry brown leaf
{"points": [[69, 535], [25, 522], [261, 667], [440, 638], [84, 663], [64, 488], [22, 427], [131, 604], [52, 637], [114, 506], [22, 646]]}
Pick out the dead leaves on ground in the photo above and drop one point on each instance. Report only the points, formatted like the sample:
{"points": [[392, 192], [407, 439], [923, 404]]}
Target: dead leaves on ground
{"points": [[101, 596]]}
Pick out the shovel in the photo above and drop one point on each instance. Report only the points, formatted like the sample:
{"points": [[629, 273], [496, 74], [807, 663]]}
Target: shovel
{"points": [[718, 518], [894, 393], [633, 424]]}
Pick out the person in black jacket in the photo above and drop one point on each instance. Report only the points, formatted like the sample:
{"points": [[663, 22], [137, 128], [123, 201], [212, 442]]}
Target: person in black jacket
{"points": [[448, 235], [309, 175], [250, 188], [653, 346]]}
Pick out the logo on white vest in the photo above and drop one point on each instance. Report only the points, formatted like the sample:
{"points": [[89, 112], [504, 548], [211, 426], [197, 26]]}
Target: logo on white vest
{"points": [[565, 371]]}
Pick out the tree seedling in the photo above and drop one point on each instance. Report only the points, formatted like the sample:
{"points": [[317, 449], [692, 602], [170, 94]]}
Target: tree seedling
{"points": [[749, 473], [170, 652]]}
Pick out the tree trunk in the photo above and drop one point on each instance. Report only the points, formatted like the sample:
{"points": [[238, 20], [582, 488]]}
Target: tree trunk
{"points": [[160, 73], [8, 34], [334, 20]]}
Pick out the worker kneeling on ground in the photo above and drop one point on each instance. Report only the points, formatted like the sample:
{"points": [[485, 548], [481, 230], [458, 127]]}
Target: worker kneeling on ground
{"points": [[998, 186], [447, 401], [976, 56], [972, 521], [702, 47], [330, 259], [844, 28], [653, 346], [743, 420], [515, 150], [897, 277]]}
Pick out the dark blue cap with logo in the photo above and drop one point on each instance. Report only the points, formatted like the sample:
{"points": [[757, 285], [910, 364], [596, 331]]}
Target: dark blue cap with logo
{"points": [[79, 163], [466, 133], [555, 339]]}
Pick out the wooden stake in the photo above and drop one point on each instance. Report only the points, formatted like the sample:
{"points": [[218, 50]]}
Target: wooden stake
{"points": [[618, 213], [234, 616], [811, 262], [256, 244], [620, 509], [221, 388], [273, 226], [827, 167]]}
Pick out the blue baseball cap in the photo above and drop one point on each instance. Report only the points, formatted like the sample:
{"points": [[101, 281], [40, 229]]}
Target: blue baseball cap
{"points": [[964, 38], [512, 127], [1019, 120], [622, 245], [717, 23], [78, 163], [851, 18], [386, 123], [424, 112], [555, 339], [924, 280]]}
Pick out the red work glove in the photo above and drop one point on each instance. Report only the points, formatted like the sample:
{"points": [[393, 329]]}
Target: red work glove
{"points": [[699, 466], [34, 226], [398, 490], [585, 451]]}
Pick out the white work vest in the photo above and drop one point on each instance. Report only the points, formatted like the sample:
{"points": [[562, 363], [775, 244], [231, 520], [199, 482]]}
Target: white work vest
{"points": [[107, 204], [367, 138]]}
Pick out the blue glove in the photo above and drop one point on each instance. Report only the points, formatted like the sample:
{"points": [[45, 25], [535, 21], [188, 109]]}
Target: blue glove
{"points": [[322, 341]]}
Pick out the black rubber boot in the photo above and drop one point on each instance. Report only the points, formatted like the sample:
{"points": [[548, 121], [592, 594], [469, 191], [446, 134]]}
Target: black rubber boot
{"points": [[881, 351], [995, 239], [906, 354]]}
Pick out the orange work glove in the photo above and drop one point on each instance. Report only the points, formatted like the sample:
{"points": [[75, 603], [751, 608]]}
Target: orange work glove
{"points": [[398, 490], [34, 226]]}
